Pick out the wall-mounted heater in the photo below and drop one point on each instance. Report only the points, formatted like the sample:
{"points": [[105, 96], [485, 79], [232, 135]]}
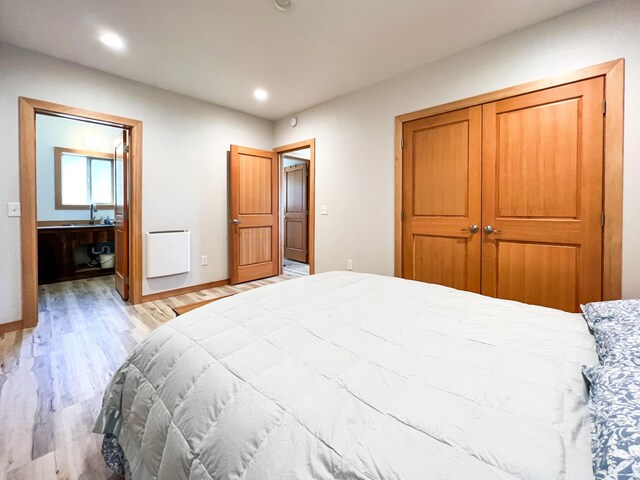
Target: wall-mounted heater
{"points": [[168, 253]]}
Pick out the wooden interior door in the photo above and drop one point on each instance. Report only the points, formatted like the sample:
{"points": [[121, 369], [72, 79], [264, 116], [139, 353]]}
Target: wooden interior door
{"points": [[441, 199], [121, 215], [253, 209], [542, 196], [296, 212]]}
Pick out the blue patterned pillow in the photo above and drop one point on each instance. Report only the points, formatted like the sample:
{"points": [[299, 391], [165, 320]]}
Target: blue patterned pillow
{"points": [[614, 405], [597, 312], [616, 328]]}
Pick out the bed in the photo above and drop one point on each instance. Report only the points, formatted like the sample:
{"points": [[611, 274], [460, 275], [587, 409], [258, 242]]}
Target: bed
{"points": [[344, 375]]}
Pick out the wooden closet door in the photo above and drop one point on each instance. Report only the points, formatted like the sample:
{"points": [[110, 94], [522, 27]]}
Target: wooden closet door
{"points": [[441, 199], [542, 196]]}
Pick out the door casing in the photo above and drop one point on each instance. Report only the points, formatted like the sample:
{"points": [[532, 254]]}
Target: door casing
{"points": [[613, 73], [28, 108]]}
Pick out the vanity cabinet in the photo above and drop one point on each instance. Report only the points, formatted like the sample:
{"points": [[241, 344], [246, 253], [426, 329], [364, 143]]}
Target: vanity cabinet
{"points": [[57, 246]]}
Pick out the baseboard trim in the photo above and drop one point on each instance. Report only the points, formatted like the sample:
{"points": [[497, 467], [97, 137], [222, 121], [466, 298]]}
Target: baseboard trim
{"points": [[10, 327], [182, 291]]}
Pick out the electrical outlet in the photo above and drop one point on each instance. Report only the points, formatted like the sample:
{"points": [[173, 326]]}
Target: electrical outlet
{"points": [[349, 264], [205, 260], [13, 209], [324, 210]]}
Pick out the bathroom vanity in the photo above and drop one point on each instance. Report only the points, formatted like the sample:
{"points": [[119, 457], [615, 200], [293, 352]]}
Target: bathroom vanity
{"points": [[61, 246]]}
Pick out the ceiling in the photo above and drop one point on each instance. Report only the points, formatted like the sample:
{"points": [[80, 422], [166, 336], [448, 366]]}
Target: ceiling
{"points": [[222, 50]]}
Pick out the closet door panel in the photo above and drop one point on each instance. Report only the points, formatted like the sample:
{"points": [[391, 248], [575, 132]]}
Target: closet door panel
{"points": [[524, 266], [537, 174], [441, 199], [542, 196]]}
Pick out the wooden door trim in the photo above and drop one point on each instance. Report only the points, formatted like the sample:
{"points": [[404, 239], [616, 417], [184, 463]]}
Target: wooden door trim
{"points": [[28, 108], [613, 73], [311, 224]]}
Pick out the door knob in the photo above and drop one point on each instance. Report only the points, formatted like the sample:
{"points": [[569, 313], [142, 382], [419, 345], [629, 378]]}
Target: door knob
{"points": [[235, 221], [473, 229], [490, 229]]}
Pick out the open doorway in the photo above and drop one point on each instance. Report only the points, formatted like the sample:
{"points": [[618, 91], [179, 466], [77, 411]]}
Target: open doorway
{"points": [[80, 183], [297, 208], [76, 197], [294, 211]]}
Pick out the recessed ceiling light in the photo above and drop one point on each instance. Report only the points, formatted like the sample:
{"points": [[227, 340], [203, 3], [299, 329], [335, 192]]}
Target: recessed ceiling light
{"points": [[260, 94], [113, 41], [283, 4]]}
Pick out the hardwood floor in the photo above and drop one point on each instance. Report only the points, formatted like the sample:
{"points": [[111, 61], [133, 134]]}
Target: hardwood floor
{"points": [[52, 377], [294, 268]]}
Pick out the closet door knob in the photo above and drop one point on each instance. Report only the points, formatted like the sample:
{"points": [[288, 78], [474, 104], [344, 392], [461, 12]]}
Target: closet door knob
{"points": [[473, 229], [490, 229]]}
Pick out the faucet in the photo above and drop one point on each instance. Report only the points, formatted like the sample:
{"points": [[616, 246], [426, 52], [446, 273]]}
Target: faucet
{"points": [[92, 210]]}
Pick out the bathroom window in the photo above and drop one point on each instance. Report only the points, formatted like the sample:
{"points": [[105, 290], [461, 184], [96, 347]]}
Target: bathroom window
{"points": [[83, 178]]}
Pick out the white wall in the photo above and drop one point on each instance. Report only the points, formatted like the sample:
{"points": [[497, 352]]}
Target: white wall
{"points": [[354, 133], [64, 132], [185, 145]]}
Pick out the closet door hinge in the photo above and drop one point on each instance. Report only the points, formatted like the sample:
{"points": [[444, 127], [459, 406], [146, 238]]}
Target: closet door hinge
{"points": [[604, 107], [402, 216], [402, 143], [602, 219]]}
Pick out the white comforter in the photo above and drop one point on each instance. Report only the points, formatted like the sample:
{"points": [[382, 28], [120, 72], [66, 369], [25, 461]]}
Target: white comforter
{"points": [[353, 376]]}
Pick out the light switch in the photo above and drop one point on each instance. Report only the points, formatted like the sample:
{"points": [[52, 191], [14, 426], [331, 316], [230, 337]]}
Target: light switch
{"points": [[13, 209], [204, 260], [324, 210]]}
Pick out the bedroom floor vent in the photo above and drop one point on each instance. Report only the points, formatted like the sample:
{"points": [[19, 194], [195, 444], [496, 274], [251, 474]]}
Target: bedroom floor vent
{"points": [[168, 253]]}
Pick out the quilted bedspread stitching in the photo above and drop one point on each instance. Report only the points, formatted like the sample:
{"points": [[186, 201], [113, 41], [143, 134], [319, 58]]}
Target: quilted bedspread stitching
{"points": [[283, 410]]}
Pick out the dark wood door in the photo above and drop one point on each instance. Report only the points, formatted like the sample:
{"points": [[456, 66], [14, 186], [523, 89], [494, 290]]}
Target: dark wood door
{"points": [[253, 209], [441, 199], [296, 212], [121, 214], [542, 196]]}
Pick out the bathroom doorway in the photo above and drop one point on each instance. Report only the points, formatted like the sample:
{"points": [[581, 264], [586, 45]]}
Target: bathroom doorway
{"points": [[80, 198], [75, 178]]}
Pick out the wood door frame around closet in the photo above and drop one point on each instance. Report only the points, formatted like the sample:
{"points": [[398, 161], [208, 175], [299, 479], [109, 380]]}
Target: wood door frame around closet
{"points": [[311, 221], [28, 108], [613, 73]]}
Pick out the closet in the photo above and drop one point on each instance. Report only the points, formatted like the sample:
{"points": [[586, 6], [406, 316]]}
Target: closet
{"points": [[506, 197]]}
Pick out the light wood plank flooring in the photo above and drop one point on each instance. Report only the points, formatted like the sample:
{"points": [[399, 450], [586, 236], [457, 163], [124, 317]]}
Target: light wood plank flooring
{"points": [[52, 377], [294, 268]]}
